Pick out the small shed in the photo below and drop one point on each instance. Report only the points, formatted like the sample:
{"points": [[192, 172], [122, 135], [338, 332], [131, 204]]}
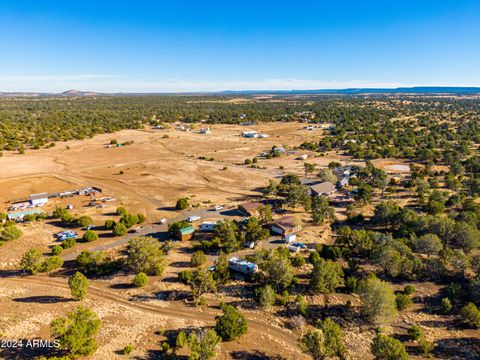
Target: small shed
{"points": [[185, 233]]}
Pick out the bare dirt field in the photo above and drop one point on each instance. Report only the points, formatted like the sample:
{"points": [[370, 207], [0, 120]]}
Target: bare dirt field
{"points": [[147, 177]]}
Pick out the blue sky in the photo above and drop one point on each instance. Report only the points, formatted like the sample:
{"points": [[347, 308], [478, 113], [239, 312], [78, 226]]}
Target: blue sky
{"points": [[154, 46]]}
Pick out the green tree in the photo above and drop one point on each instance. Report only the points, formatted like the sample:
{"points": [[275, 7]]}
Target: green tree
{"points": [[31, 261], [129, 220], [78, 284], [51, 263], [201, 282], [109, 224], [387, 348], [198, 258], [182, 203], [378, 300], [429, 244], [76, 332], [265, 214], [308, 168], [327, 175], [221, 273], [333, 338], [402, 302], [254, 232], [145, 254], [321, 210], [140, 279], [266, 296], [89, 236], [231, 324], [203, 344], [313, 344], [471, 315], [121, 211], [226, 232], [119, 230], [84, 221], [278, 270], [327, 276]]}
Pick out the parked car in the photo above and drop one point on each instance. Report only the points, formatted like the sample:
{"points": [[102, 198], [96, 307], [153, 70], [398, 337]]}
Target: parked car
{"points": [[193, 218], [218, 207], [163, 221], [89, 227]]}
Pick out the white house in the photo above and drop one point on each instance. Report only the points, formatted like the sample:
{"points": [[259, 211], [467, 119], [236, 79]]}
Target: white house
{"points": [[38, 199]]}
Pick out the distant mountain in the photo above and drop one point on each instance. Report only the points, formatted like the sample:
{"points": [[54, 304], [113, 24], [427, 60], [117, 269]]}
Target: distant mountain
{"points": [[354, 91], [419, 90], [80, 93]]}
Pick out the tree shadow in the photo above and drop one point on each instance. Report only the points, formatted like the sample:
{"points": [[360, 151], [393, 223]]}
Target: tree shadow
{"points": [[44, 299], [463, 348], [122, 286], [254, 355]]}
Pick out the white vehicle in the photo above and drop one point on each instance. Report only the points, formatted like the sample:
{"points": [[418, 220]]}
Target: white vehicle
{"points": [[250, 245], [163, 221], [293, 248], [290, 238], [218, 207], [245, 267], [193, 218]]}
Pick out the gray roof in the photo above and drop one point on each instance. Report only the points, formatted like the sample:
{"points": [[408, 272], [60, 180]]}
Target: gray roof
{"points": [[38, 196], [324, 188]]}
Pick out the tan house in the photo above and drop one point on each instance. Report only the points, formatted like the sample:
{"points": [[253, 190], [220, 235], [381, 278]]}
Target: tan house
{"points": [[285, 226]]}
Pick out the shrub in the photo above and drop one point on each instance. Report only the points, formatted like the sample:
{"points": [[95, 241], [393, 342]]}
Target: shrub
{"points": [[185, 276], [232, 324], [471, 315], [121, 211], [89, 236], [31, 261], [266, 296], [127, 350], [198, 258], [378, 300], [182, 204], [402, 302], [83, 221], [426, 346], [119, 230], [415, 332], [10, 232], [78, 284], [140, 280], [446, 306], [109, 224], [56, 250], [298, 260], [409, 290], [76, 332], [51, 263], [68, 243], [387, 348]]}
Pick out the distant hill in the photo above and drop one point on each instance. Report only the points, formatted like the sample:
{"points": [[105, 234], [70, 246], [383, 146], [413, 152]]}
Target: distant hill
{"points": [[425, 90], [354, 91]]}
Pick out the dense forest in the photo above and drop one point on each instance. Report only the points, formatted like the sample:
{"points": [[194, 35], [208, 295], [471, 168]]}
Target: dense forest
{"points": [[399, 127]]}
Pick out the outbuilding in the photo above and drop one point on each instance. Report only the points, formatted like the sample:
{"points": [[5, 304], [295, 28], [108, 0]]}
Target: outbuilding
{"points": [[38, 199], [185, 233], [324, 188]]}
